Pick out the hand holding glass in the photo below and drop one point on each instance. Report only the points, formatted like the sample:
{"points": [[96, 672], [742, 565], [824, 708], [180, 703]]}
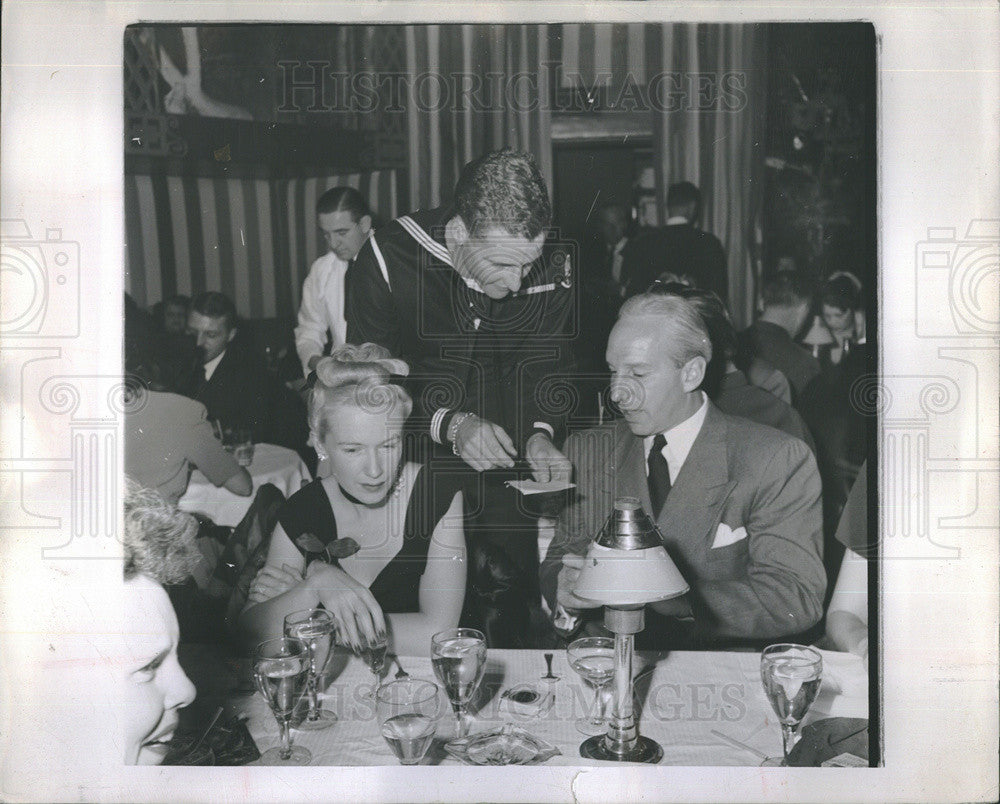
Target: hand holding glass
{"points": [[407, 715], [317, 628], [792, 675], [594, 659], [281, 669], [459, 659]]}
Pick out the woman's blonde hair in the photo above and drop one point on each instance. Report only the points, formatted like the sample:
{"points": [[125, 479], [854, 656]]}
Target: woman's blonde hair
{"points": [[159, 539], [359, 376]]}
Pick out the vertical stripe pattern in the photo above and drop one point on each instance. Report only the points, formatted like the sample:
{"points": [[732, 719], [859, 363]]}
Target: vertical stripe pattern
{"points": [[496, 104], [717, 149], [252, 239]]}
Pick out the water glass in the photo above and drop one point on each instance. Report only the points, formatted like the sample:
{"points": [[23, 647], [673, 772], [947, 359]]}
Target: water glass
{"points": [[408, 711]]}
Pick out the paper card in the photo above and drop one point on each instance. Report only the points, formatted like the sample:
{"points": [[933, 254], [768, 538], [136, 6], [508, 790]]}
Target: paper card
{"points": [[534, 487]]}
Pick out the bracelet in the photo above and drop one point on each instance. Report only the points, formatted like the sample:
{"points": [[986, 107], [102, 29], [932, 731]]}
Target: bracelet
{"points": [[453, 426]]}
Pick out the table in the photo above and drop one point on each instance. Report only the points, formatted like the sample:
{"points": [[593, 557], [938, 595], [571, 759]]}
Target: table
{"points": [[685, 698], [271, 464]]}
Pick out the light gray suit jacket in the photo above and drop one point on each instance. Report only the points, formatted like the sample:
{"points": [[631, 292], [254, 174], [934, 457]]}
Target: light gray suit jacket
{"points": [[738, 475]]}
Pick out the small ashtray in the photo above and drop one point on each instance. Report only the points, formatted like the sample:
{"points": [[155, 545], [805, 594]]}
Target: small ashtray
{"points": [[527, 700], [507, 745]]}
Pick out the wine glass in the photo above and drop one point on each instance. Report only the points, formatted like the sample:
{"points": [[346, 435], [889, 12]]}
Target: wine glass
{"points": [[594, 659], [318, 629], [281, 668], [459, 659], [373, 652], [792, 675], [407, 715]]}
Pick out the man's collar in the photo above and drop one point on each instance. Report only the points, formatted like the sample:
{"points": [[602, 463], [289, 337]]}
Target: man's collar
{"points": [[213, 364], [676, 220], [681, 436]]}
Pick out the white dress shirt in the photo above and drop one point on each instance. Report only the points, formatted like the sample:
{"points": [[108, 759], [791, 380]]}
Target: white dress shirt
{"points": [[322, 308], [213, 364], [679, 440]]}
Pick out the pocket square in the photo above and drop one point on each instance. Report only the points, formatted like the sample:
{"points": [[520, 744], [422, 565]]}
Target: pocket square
{"points": [[726, 536]]}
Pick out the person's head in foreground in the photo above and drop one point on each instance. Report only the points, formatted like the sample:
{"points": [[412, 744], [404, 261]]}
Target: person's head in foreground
{"points": [[356, 418], [159, 549], [657, 353], [212, 322], [345, 220], [502, 210]]}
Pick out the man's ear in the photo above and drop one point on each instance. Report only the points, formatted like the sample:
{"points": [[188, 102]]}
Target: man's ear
{"points": [[365, 222], [232, 334], [693, 373]]}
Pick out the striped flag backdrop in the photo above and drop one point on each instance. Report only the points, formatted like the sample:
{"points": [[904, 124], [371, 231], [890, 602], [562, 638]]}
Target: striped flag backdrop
{"points": [[252, 239], [444, 132], [718, 149], [605, 54]]}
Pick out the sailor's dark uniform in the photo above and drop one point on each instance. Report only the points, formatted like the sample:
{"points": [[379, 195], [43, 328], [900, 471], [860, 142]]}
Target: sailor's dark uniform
{"points": [[508, 360]]}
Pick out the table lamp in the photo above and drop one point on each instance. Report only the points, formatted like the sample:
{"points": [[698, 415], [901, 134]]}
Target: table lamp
{"points": [[626, 568]]}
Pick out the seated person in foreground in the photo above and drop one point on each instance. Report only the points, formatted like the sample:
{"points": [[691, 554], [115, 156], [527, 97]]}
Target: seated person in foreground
{"points": [[737, 503], [159, 549], [379, 543]]}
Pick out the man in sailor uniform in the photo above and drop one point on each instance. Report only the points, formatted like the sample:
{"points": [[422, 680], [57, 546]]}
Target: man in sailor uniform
{"points": [[480, 306]]}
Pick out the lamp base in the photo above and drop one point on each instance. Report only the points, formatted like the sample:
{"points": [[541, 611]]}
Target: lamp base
{"points": [[645, 750]]}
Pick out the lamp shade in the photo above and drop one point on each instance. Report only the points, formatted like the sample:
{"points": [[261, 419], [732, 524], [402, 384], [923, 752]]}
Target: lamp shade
{"points": [[627, 564]]}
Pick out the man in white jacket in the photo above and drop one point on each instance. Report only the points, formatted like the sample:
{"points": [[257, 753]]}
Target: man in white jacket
{"points": [[343, 216]]}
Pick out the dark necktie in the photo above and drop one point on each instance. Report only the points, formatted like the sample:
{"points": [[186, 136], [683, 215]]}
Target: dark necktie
{"points": [[659, 475]]}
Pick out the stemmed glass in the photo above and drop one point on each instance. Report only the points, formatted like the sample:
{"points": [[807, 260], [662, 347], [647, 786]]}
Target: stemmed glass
{"points": [[594, 659], [373, 652], [407, 715], [318, 629], [792, 675], [281, 668], [459, 659]]}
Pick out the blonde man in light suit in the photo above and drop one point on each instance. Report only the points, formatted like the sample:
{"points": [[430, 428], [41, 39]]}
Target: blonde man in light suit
{"points": [[740, 513]]}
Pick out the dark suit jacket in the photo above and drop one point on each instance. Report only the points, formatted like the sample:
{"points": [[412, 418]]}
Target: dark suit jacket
{"points": [[737, 397], [499, 359], [773, 344], [738, 474], [242, 393], [680, 249]]}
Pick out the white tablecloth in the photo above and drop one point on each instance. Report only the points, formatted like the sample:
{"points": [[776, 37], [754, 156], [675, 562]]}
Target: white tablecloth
{"points": [[271, 464], [687, 696]]}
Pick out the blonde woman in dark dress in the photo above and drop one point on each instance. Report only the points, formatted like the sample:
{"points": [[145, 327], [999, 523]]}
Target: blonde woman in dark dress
{"points": [[378, 543]]}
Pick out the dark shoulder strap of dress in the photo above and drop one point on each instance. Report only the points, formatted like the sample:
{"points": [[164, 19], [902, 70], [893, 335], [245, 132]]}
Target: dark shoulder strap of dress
{"points": [[309, 511], [429, 501]]}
